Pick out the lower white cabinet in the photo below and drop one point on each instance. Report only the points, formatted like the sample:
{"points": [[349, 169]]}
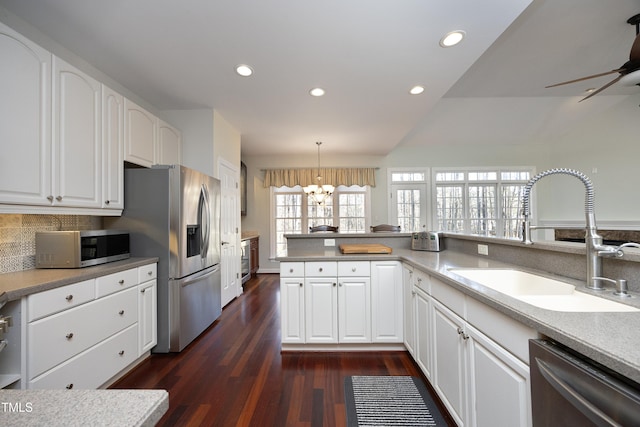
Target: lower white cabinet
{"points": [[409, 295], [81, 335], [354, 309], [292, 310], [321, 309], [474, 356], [386, 302]]}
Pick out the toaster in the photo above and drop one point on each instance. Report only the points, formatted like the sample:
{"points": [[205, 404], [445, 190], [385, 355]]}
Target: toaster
{"points": [[427, 241]]}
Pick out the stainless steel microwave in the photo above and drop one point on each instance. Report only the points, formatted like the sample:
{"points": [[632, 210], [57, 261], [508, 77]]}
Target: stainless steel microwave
{"points": [[75, 249]]}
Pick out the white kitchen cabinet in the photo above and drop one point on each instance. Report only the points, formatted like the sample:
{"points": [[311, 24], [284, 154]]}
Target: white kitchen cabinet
{"points": [[409, 295], [424, 335], [449, 361], [169, 148], [147, 308], [112, 149], [354, 302], [321, 309], [77, 138], [292, 311], [140, 134], [386, 302], [499, 390], [25, 108], [105, 322]]}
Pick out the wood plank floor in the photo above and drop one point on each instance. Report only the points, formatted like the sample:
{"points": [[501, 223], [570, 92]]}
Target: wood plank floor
{"points": [[234, 374]]}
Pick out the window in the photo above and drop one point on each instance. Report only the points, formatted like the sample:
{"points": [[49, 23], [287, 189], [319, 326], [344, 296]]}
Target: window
{"points": [[294, 212], [409, 201], [480, 201]]}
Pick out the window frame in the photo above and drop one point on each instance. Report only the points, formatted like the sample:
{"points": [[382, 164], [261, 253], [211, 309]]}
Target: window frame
{"points": [[366, 190], [426, 217]]}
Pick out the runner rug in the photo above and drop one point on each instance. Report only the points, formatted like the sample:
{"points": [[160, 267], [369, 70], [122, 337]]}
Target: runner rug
{"points": [[389, 401]]}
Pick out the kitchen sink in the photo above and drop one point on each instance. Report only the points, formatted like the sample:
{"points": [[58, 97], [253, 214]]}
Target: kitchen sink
{"points": [[540, 291]]}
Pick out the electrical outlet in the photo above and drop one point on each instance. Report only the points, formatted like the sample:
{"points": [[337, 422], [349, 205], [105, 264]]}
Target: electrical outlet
{"points": [[483, 250], [329, 242]]}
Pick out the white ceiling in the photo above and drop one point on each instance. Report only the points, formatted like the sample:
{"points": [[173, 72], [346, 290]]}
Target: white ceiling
{"points": [[366, 54]]}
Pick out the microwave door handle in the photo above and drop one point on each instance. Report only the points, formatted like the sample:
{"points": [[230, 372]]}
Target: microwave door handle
{"points": [[587, 408]]}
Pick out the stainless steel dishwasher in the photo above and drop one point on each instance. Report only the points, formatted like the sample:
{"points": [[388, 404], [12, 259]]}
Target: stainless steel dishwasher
{"points": [[568, 389]]}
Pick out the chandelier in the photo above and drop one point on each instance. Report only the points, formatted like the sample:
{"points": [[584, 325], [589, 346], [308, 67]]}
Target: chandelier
{"points": [[318, 192]]}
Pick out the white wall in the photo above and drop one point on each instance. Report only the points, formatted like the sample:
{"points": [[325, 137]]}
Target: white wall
{"points": [[197, 138]]}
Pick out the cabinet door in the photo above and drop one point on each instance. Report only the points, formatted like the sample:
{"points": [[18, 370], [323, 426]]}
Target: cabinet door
{"points": [[354, 309], [140, 134], [423, 327], [77, 138], [25, 109], [499, 385], [321, 310], [409, 309], [386, 302], [147, 316], [449, 361], [169, 145], [112, 149], [292, 309]]}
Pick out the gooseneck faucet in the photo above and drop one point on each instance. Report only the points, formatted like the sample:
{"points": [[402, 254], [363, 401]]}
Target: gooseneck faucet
{"points": [[594, 247]]}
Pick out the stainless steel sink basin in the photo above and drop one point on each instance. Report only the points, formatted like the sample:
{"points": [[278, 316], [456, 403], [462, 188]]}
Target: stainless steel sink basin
{"points": [[540, 291]]}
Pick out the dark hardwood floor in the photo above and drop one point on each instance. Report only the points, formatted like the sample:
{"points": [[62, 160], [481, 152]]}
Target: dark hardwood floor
{"points": [[234, 374]]}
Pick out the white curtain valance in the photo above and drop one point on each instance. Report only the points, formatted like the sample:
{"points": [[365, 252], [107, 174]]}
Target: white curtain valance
{"points": [[333, 176]]}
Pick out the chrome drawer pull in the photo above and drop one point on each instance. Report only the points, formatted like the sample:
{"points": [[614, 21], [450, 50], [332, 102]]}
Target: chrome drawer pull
{"points": [[69, 297], [121, 282], [121, 312], [320, 269], [353, 270], [291, 270], [149, 272], [143, 290], [69, 335], [121, 352], [69, 386]]}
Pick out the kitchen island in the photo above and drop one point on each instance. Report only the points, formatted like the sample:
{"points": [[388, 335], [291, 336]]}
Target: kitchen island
{"points": [[123, 408]]}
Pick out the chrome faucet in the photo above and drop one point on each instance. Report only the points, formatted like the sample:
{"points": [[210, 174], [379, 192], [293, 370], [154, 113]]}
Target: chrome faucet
{"points": [[594, 247]]}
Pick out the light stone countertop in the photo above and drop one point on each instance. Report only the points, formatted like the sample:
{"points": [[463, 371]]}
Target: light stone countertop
{"points": [[612, 339], [22, 283], [52, 408]]}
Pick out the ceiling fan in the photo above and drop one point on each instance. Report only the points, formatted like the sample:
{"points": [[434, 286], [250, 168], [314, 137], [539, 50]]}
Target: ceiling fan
{"points": [[629, 71]]}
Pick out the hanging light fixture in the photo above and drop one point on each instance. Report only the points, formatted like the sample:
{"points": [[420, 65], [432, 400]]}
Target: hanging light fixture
{"points": [[318, 192]]}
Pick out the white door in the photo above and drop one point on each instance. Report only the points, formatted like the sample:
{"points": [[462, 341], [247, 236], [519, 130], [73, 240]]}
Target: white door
{"points": [[354, 309], [321, 309], [229, 225]]}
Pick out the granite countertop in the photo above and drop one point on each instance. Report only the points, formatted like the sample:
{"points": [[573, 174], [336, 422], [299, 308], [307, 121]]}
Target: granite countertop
{"points": [[22, 283], [608, 338], [122, 408]]}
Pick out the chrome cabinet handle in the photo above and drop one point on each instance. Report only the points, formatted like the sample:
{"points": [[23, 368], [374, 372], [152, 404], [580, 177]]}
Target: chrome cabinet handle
{"points": [[142, 291], [106, 202], [50, 198], [69, 386], [69, 335], [121, 312], [121, 281], [69, 297], [121, 352], [462, 334], [320, 269], [334, 284], [353, 270], [149, 273], [291, 270], [300, 284], [59, 198]]}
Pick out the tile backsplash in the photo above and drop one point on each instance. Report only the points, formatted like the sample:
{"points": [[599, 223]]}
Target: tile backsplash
{"points": [[18, 236]]}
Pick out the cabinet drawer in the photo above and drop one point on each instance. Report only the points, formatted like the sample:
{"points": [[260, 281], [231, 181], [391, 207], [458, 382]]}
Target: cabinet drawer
{"points": [[115, 282], [94, 367], [61, 336], [147, 272], [58, 299], [354, 268], [447, 295], [292, 269], [321, 269]]}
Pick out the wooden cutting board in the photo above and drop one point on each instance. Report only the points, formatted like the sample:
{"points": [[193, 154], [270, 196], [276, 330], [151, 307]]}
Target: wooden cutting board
{"points": [[364, 248]]}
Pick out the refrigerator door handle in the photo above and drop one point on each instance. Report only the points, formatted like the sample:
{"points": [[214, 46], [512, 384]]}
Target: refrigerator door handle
{"points": [[204, 214], [198, 277]]}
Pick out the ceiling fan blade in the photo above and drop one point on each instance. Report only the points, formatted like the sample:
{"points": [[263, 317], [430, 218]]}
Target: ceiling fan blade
{"points": [[635, 50], [585, 78], [595, 92]]}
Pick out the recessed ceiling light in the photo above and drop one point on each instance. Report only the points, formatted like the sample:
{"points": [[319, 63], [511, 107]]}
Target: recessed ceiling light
{"points": [[317, 91], [591, 89], [416, 90], [244, 70], [452, 38]]}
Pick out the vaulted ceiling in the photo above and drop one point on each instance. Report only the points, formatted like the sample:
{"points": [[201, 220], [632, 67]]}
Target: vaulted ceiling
{"points": [[366, 54]]}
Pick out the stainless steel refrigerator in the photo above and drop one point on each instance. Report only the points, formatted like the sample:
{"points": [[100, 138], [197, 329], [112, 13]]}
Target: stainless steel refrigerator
{"points": [[173, 213]]}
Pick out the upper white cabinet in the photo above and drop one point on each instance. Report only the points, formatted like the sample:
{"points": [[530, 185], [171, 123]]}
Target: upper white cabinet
{"points": [[112, 149], [77, 138], [25, 112], [140, 134], [169, 148]]}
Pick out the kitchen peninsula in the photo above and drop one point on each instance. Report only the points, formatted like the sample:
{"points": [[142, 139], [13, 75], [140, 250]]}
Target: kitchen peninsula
{"points": [[482, 314]]}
